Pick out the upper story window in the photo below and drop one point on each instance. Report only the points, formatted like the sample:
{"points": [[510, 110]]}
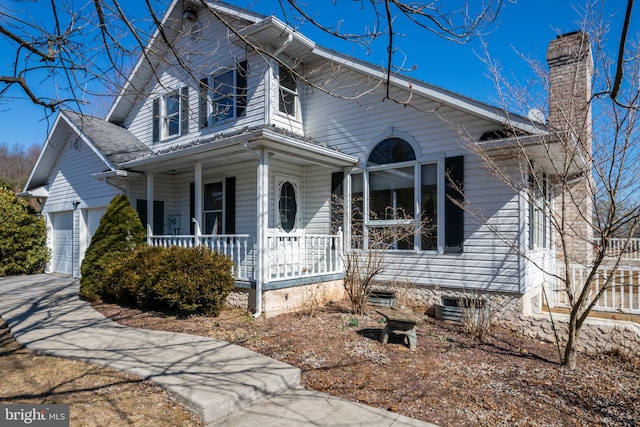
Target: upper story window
{"points": [[223, 96], [288, 92], [171, 114]]}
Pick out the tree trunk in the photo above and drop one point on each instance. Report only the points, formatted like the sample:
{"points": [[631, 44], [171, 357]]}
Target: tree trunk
{"points": [[570, 352]]}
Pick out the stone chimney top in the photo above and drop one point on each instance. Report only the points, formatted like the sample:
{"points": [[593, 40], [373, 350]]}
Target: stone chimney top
{"points": [[570, 73]]}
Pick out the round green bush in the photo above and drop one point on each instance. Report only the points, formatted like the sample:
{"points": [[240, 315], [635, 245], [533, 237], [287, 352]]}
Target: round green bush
{"points": [[23, 237], [181, 280]]}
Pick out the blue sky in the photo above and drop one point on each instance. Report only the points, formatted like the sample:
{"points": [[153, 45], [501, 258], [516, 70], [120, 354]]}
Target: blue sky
{"points": [[523, 27]]}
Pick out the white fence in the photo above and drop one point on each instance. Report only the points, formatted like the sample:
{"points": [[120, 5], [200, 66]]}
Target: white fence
{"points": [[621, 295], [616, 248], [289, 256], [292, 256], [239, 247]]}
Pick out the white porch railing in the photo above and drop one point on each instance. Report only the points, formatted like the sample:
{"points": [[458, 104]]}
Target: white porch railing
{"points": [[290, 256], [615, 248], [239, 247], [293, 256], [621, 296]]}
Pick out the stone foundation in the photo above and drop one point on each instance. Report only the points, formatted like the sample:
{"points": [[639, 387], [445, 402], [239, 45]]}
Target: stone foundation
{"points": [[305, 298], [596, 335], [524, 314], [505, 308], [238, 298]]}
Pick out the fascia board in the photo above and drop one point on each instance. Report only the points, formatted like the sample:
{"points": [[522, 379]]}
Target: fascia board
{"points": [[47, 146]]}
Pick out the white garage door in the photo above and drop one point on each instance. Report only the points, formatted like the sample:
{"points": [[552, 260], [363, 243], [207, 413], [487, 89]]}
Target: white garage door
{"points": [[63, 242]]}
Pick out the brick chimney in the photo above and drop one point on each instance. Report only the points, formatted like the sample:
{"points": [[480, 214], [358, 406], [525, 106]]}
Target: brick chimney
{"points": [[570, 72]]}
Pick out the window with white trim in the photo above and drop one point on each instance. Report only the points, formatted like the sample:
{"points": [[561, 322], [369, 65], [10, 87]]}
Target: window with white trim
{"points": [[539, 198], [213, 208], [170, 114], [288, 205], [223, 96], [288, 92], [399, 198]]}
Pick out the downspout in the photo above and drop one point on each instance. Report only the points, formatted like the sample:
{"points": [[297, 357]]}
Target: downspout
{"points": [[284, 44]]}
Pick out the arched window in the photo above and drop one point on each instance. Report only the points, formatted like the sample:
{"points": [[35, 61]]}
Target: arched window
{"points": [[391, 150], [397, 200]]}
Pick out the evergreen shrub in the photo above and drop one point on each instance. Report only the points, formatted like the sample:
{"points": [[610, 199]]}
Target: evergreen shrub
{"points": [[181, 280], [23, 237], [119, 232]]}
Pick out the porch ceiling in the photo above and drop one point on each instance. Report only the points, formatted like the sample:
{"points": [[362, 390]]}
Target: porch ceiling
{"points": [[245, 147]]}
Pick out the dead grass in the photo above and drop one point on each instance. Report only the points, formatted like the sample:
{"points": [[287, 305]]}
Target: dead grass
{"points": [[97, 396], [449, 380]]}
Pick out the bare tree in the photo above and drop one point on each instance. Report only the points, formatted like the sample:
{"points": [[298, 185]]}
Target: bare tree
{"points": [[15, 164], [580, 179], [86, 49], [365, 258]]}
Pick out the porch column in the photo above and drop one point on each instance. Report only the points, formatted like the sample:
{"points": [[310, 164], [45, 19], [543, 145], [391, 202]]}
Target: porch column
{"points": [[197, 201], [149, 207], [263, 226]]}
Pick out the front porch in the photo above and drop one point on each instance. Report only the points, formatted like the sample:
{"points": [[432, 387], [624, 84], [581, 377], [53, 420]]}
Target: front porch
{"points": [[287, 256]]}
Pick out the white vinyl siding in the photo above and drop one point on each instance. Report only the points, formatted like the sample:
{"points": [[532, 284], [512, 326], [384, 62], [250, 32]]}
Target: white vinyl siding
{"points": [[487, 262], [209, 53], [72, 188]]}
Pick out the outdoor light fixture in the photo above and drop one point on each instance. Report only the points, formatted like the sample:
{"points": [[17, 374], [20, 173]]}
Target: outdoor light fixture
{"points": [[189, 15]]}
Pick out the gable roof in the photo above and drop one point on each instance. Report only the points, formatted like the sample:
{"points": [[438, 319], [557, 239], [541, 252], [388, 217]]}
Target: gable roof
{"points": [[155, 49], [269, 30], [113, 144]]}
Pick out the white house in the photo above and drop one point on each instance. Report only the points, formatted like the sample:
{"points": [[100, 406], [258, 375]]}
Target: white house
{"points": [[246, 152]]}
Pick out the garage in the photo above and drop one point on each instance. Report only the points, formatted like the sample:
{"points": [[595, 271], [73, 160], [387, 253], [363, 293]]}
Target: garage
{"points": [[62, 223]]}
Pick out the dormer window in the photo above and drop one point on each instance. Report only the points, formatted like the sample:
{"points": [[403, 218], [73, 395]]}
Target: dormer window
{"points": [[223, 96], [171, 114], [288, 92]]}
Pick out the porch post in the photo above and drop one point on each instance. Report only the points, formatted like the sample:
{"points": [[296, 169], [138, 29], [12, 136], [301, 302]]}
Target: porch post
{"points": [[149, 207], [263, 226], [197, 201]]}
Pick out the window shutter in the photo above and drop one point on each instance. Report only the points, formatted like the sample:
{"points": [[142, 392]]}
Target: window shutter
{"points": [[184, 110], [337, 192], [454, 214], [192, 207], [203, 100], [156, 120], [230, 205], [241, 88]]}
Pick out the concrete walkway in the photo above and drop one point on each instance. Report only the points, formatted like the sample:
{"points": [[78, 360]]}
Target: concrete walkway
{"points": [[223, 383]]}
